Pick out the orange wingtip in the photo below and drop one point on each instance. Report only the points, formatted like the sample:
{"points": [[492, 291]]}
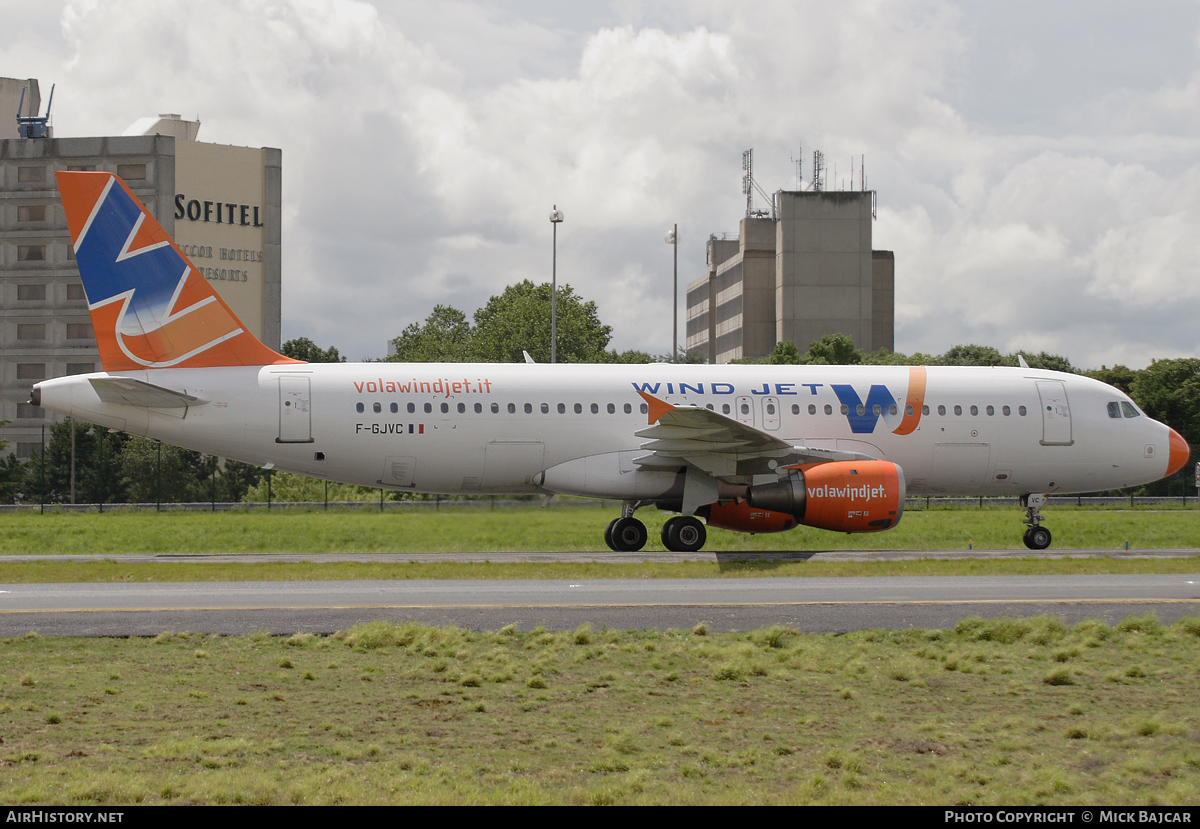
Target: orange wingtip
{"points": [[658, 408]]}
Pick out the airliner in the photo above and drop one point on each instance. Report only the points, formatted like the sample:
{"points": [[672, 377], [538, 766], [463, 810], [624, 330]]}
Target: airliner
{"points": [[751, 448]]}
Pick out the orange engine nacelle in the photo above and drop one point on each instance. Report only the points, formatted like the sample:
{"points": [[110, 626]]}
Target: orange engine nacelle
{"points": [[846, 496], [740, 516]]}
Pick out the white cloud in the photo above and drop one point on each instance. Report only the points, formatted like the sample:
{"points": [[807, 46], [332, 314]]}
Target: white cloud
{"points": [[424, 145]]}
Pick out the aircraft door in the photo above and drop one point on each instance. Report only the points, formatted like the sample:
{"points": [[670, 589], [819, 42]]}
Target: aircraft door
{"points": [[1056, 413], [295, 414], [770, 413], [744, 410]]}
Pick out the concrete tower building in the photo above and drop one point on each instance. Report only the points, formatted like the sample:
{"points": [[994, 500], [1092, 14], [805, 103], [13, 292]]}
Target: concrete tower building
{"points": [[221, 204], [808, 272]]}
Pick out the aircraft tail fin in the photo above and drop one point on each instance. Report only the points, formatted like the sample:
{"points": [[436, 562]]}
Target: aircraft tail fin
{"points": [[150, 306]]}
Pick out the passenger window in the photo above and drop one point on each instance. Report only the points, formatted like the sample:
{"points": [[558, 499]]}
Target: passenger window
{"points": [[709, 407], [644, 409], [770, 408], [428, 408], [578, 408], [941, 410], [1021, 411], [991, 410], [924, 410], [595, 409], [411, 408], [445, 408], [495, 408], [545, 408], [958, 410], [512, 408], [860, 409], [478, 408], [613, 409], [795, 408], [724, 408], [876, 410], [845, 409], [628, 409], [528, 408], [375, 407], [745, 408], [562, 408], [1007, 411], [974, 411], [812, 409], [1129, 410], [828, 409], [394, 408], [359, 408], [462, 407], [892, 409]]}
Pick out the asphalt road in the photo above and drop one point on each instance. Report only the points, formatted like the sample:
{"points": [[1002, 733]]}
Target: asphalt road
{"points": [[808, 604]]}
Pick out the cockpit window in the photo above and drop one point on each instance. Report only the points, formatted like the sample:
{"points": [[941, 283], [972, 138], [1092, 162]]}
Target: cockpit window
{"points": [[1114, 410], [1129, 409]]}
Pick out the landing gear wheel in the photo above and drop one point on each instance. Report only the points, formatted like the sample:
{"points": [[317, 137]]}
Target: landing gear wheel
{"points": [[1037, 538], [684, 534], [628, 535], [666, 531], [608, 534]]}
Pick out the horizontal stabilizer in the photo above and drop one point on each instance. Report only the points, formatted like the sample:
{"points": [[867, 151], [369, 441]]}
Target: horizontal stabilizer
{"points": [[130, 392]]}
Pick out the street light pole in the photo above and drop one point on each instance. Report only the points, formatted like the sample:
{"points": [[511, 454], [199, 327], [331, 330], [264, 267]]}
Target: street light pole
{"points": [[672, 239], [555, 217]]}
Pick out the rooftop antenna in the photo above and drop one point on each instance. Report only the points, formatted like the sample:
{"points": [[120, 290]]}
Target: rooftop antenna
{"points": [[33, 126], [818, 167], [796, 159], [747, 179]]}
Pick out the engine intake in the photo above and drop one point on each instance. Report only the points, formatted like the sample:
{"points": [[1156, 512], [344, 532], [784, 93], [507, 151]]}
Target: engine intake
{"points": [[846, 496]]}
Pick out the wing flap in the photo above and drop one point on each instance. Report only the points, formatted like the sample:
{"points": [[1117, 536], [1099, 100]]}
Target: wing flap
{"points": [[720, 445]]}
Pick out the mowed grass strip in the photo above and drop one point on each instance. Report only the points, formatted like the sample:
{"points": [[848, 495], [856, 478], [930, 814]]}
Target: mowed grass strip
{"points": [[1010, 711], [562, 529]]}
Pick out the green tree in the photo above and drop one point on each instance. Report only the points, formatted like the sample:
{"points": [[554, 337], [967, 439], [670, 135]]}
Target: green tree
{"points": [[97, 474], [833, 350], [153, 471], [12, 473], [519, 320], [305, 349], [288, 486], [445, 337], [1120, 376], [236, 478], [973, 355]]}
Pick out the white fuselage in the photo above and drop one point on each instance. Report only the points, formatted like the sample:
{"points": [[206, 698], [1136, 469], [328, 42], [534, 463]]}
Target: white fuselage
{"points": [[491, 428]]}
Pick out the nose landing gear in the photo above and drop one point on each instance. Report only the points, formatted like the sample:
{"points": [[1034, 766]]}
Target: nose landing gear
{"points": [[1036, 537]]}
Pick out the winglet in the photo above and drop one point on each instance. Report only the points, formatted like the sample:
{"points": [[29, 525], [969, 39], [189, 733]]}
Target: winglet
{"points": [[658, 408]]}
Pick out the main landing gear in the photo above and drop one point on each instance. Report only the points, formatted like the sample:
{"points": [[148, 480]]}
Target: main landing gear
{"points": [[1036, 537], [681, 534]]}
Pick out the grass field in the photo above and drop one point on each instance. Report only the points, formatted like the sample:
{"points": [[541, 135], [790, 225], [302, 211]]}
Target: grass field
{"points": [[1007, 712], [562, 529]]}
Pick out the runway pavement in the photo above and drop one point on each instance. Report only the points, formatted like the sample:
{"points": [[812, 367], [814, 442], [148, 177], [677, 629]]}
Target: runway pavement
{"points": [[809, 604]]}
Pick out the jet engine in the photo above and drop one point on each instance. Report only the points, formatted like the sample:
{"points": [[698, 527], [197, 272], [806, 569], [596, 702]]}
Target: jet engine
{"points": [[846, 496]]}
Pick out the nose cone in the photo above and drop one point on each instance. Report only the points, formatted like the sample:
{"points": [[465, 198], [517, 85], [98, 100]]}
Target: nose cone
{"points": [[1180, 452]]}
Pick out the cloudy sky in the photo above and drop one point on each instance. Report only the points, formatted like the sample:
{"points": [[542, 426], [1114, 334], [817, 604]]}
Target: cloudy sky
{"points": [[1037, 163]]}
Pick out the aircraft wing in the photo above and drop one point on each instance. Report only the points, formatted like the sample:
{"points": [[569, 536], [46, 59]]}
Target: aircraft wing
{"points": [[131, 392], [720, 445]]}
